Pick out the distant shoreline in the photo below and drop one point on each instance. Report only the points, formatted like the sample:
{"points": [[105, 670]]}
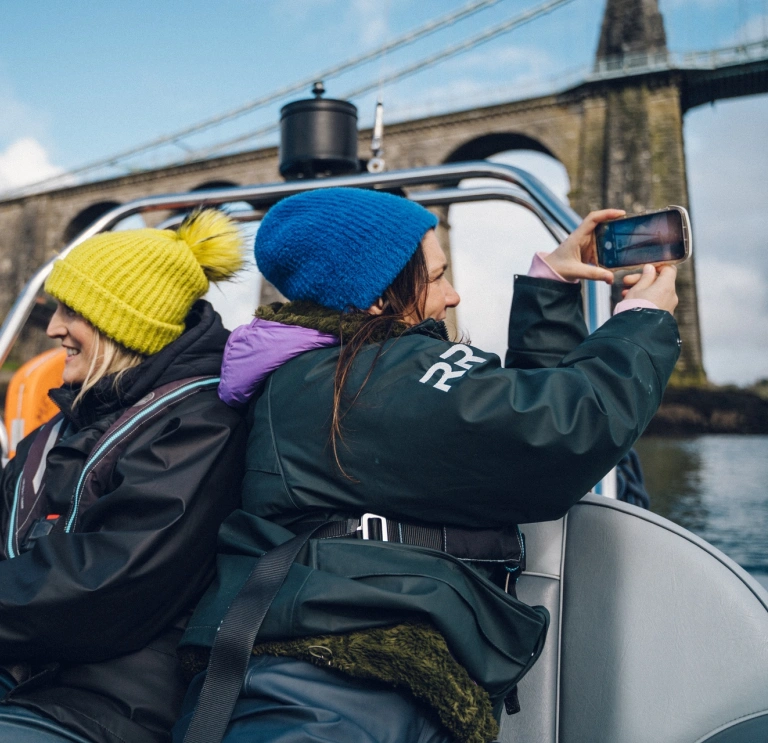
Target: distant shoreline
{"points": [[689, 411]]}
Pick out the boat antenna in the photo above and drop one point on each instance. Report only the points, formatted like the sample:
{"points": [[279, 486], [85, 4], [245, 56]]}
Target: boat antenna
{"points": [[376, 164]]}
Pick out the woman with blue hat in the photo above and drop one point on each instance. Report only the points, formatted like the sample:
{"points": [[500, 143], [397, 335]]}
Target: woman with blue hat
{"points": [[408, 460]]}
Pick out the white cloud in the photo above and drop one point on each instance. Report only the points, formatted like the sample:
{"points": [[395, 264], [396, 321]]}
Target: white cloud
{"points": [[733, 302], [490, 243], [484, 76], [369, 17], [727, 163], [23, 162], [511, 66], [23, 159], [508, 59]]}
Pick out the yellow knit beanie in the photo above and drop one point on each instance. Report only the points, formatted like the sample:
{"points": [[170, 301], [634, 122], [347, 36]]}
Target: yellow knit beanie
{"points": [[137, 286]]}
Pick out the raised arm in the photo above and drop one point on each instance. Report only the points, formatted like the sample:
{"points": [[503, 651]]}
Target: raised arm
{"points": [[547, 321]]}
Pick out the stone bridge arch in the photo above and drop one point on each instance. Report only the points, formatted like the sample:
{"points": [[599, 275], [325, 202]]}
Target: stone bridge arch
{"points": [[487, 145], [84, 218], [501, 144], [583, 128], [214, 184], [552, 125]]}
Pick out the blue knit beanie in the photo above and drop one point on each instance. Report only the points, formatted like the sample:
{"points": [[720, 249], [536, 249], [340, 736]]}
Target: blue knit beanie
{"points": [[339, 247]]}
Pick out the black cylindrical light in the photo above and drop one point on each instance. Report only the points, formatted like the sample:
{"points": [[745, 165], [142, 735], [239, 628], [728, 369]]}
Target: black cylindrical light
{"points": [[318, 137]]}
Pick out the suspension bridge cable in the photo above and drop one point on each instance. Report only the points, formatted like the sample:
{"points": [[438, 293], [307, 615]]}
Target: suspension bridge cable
{"points": [[405, 39], [414, 68], [464, 46]]}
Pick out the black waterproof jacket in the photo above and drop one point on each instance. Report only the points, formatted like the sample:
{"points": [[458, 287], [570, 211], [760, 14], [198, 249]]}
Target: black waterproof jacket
{"points": [[441, 434], [97, 613]]}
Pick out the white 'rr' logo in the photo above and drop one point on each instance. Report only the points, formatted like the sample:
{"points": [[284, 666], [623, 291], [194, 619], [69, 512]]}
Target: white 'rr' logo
{"points": [[464, 363]]}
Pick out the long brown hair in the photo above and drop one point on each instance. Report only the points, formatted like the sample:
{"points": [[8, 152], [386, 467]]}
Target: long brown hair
{"points": [[405, 298]]}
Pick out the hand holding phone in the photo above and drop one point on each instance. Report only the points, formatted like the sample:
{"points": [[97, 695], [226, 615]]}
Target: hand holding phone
{"points": [[660, 238], [574, 259], [657, 287]]}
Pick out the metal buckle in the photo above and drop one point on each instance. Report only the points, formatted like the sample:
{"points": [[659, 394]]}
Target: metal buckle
{"points": [[365, 529]]}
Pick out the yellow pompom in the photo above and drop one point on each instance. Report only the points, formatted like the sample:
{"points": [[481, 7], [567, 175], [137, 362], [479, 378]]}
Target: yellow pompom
{"points": [[215, 242]]}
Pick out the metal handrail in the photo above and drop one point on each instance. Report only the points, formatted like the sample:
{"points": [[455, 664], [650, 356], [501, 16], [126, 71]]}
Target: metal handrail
{"points": [[266, 195], [440, 197], [634, 63]]}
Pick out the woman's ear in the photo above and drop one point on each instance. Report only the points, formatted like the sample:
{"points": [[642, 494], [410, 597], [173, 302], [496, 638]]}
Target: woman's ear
{"points": [[377, 307]]}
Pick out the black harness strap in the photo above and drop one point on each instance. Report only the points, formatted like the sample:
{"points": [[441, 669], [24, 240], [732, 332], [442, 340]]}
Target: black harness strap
{"points": [[234, 641], [504, 545], [387, 530], [27, 507]]}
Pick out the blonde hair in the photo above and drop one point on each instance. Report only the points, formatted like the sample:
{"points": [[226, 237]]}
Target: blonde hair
{"points": [[108, 357]]}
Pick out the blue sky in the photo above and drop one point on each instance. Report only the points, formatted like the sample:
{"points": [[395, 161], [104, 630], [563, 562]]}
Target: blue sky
{"points": [[83, 80]]}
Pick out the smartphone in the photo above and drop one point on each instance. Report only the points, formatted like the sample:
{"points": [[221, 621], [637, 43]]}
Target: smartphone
{"points": [[662, 237]]}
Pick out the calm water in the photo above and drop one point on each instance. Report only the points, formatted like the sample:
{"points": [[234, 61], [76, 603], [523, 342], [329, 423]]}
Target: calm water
{"points": [[717, 487]]}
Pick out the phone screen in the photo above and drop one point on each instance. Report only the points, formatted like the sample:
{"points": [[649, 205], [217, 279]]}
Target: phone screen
{"points": [[648, 238]]}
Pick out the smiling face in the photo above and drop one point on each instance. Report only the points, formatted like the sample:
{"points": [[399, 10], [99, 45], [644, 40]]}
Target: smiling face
{"points": [[78, 336]]}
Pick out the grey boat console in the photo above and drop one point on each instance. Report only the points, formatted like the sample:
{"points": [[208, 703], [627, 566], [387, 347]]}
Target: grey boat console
{"points": [[656, 636]]}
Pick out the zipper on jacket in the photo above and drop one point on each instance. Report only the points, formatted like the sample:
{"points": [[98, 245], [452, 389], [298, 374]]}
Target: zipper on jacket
{"points": [[12, 519]]}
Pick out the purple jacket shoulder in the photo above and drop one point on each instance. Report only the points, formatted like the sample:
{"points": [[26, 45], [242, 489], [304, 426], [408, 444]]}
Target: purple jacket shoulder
{"points": [[254, 351]]}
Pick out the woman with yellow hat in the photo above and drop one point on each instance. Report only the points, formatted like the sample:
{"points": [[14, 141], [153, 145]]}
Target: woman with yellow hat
{"points": [[110, 510]]}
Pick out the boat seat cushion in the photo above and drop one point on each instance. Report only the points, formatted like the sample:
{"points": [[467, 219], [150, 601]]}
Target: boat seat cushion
{"points": [[660, 636]]}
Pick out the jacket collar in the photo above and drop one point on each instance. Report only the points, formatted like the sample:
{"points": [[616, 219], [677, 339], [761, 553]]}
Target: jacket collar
{"points": [[280, 332], [341, 324], [197, 352]]}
